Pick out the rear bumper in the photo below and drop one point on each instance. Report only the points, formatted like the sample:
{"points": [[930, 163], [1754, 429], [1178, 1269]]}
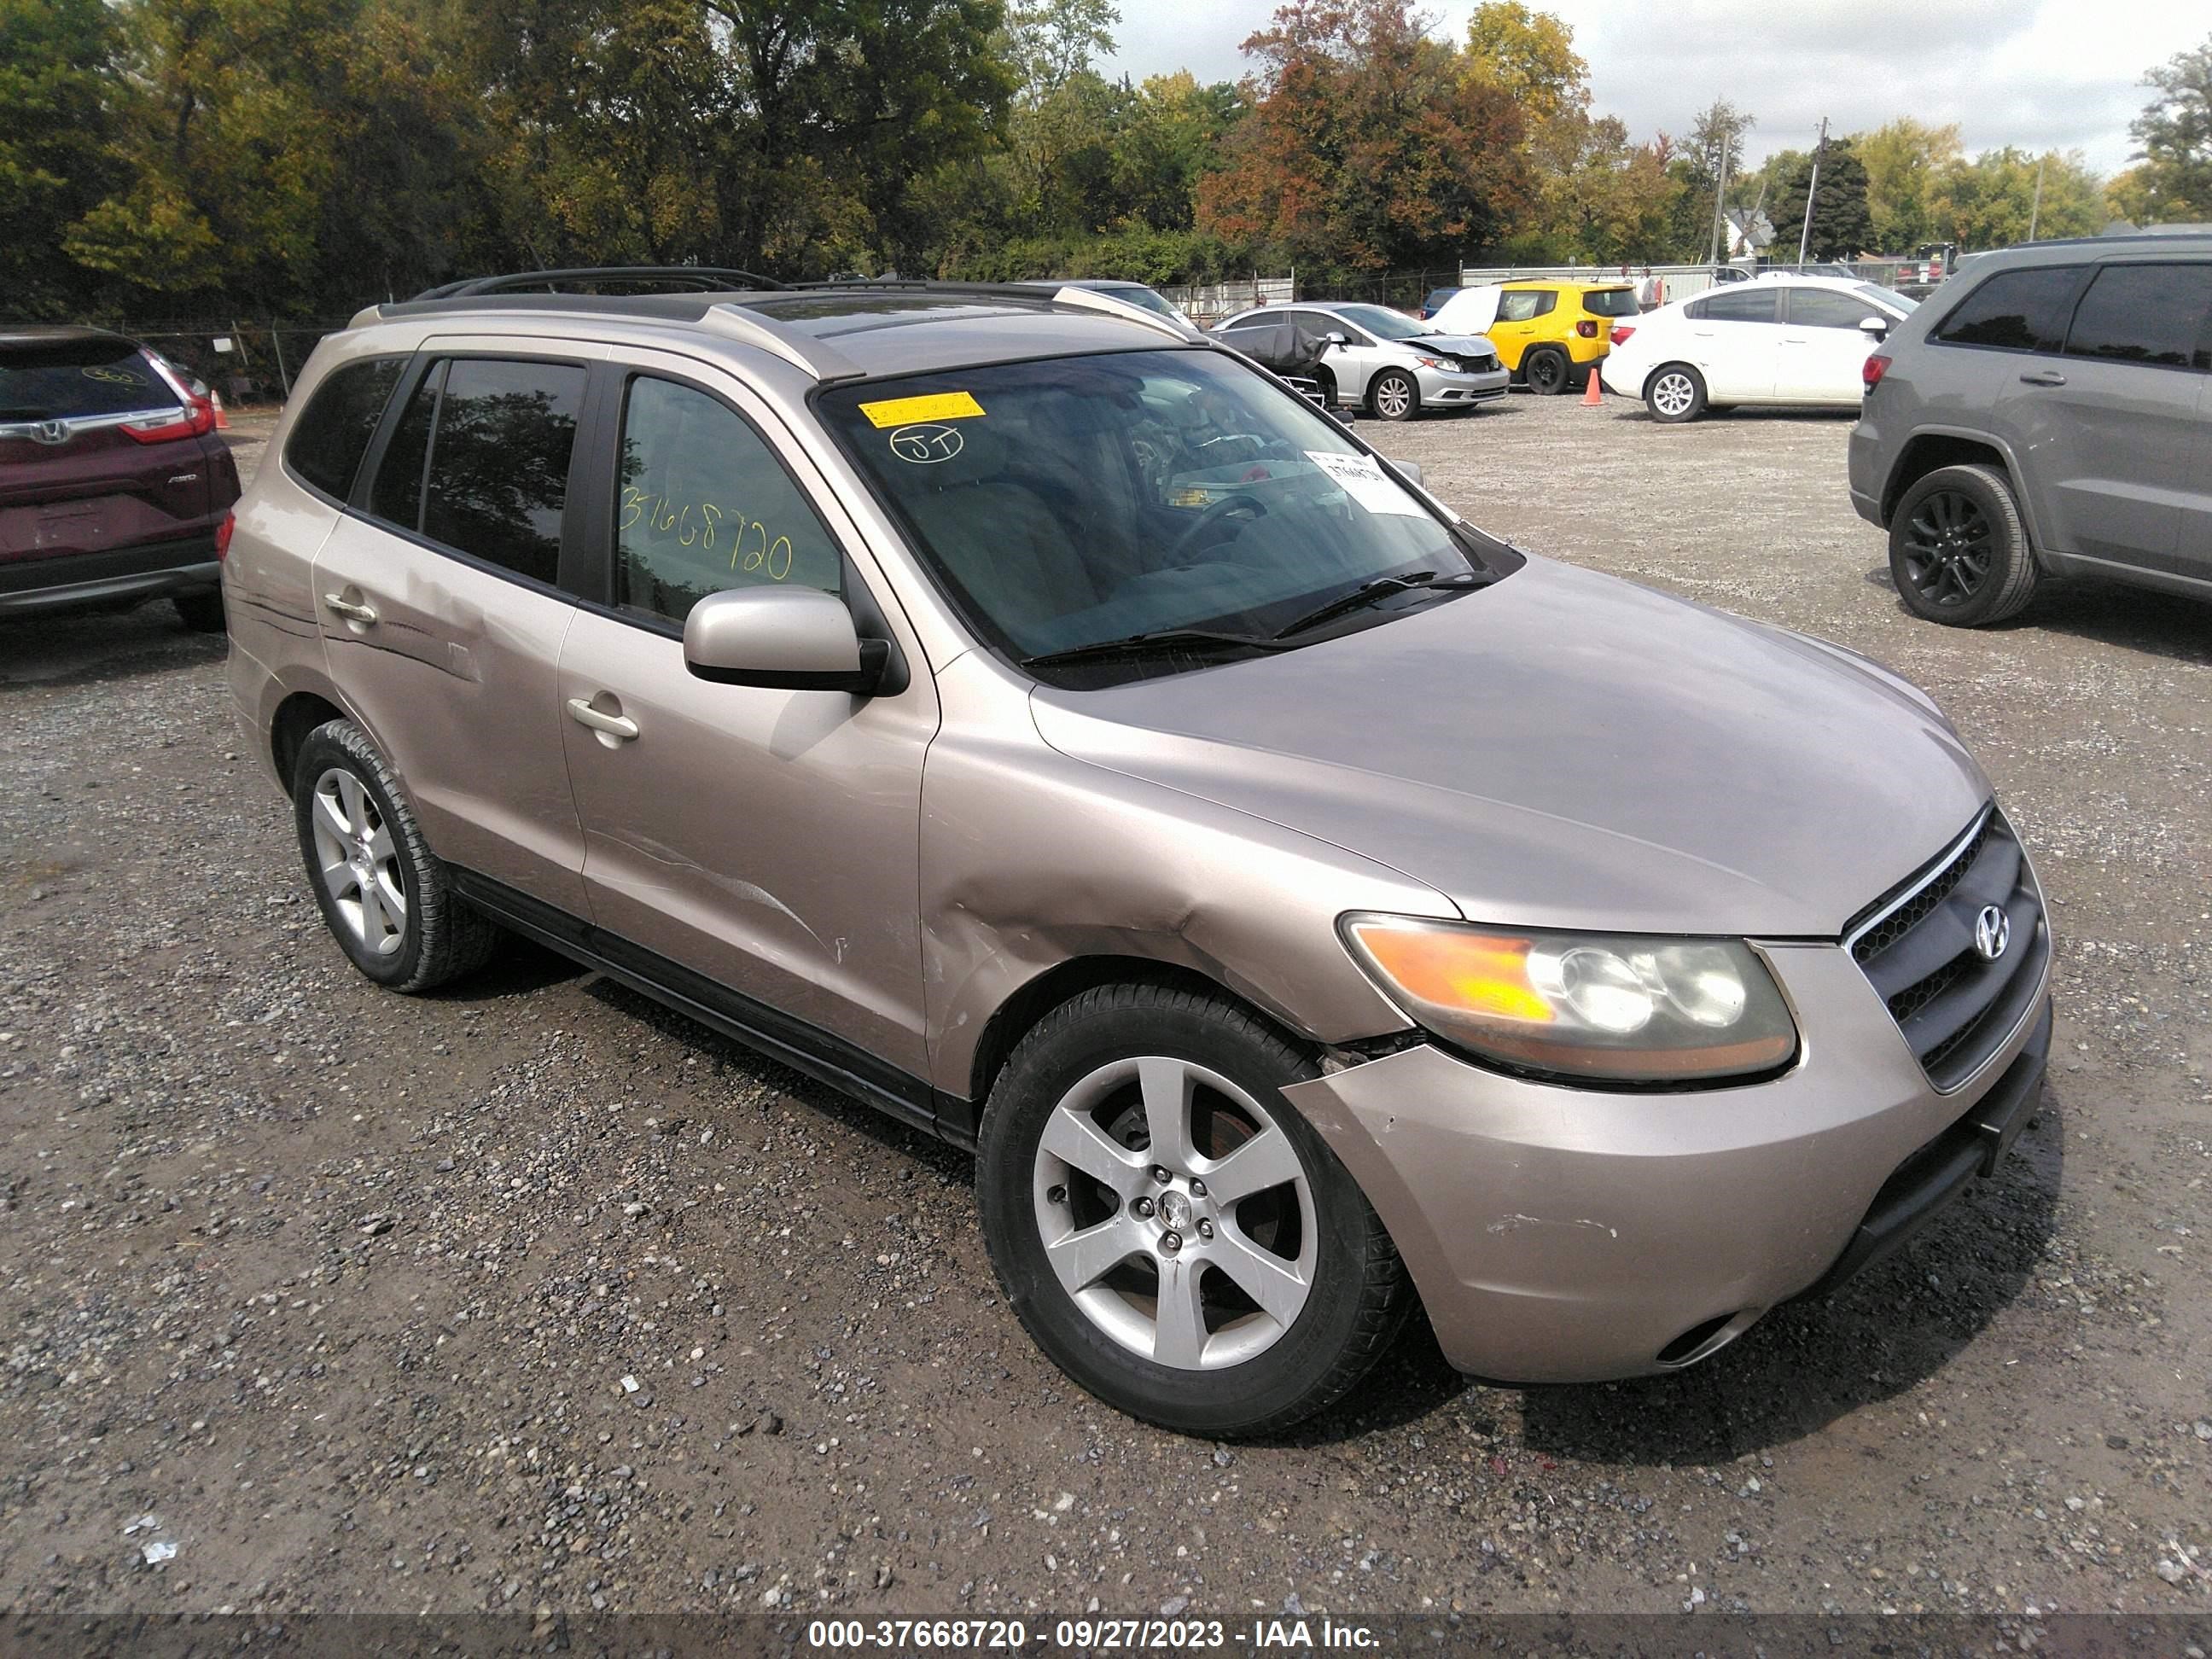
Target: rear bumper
{"points": [[1562, 1235], [70, 581]]}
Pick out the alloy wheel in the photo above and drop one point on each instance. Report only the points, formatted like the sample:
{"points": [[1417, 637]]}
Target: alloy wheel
{"points": [[1545, 373], [1950, 548], [1392, 398], [1672, 393], [358, 862], [1176, 1213]]}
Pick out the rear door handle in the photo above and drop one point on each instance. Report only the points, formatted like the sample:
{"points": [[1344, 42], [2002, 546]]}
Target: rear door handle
{"points": [[614, 726], [364, 614], [2044, 377]]}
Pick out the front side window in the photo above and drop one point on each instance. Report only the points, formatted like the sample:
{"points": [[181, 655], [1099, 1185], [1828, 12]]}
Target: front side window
{"points": [[1828, 307], [1384, 323], [333, 430], [1082, 501], [1525, 305], [2146, 314], [2014, 311], [704, 506]]}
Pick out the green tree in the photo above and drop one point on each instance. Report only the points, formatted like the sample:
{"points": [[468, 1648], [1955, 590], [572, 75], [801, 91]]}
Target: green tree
{"points": [[1904, 160], [1530, 56], [1990, 201], [59, 86], [2175, 132], [1366, 148], [1842, 227]]}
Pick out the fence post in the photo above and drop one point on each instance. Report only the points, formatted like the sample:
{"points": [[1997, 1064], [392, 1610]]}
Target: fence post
{"points": [[276, 343]]}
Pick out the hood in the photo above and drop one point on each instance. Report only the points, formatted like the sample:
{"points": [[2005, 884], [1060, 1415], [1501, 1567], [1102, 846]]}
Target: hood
{"points": [[1456, 345], [1566, 749]]}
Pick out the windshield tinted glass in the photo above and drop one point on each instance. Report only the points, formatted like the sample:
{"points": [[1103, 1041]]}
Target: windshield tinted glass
{"points": [[54, 380], [1382, 322], [1070, 502], [1610, 302], [1888, 296]]}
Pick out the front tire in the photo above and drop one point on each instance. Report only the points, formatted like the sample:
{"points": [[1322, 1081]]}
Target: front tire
{"points": [[1250, 1287], [1959, 552], [1675, 393], [1394, 396], [384, 897], [1547, 371]]}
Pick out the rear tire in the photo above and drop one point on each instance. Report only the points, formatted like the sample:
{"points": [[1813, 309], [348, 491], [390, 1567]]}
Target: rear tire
{"points": [[384, 895], [1959, 552], [1290, 1288], [201, 612], [1547, 371], [1675, 393], [1394, 396]]}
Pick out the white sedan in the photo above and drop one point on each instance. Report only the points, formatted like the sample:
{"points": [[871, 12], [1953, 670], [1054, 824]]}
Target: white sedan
{"points": [[1772, 340]]}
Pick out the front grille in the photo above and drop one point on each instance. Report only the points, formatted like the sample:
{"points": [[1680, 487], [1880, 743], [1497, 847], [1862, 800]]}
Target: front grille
{"points": [[1917, 946]]}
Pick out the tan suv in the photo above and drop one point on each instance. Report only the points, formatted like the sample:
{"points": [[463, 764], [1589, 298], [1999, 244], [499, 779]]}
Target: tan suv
{"points": [[1030, 717]]}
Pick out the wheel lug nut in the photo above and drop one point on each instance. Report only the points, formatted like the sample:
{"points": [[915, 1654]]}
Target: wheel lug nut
{"points": [[1160, 1174], [1143, 1206], [1205, 1228], [1171, 1242], [1198, 1189]]}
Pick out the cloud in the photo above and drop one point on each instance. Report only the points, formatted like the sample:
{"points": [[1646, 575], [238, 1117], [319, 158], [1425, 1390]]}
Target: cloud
{"points": [[2058, 75]]}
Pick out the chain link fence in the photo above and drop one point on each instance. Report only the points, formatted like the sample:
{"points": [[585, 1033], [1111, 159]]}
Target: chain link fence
{"points": [[249, 363]]}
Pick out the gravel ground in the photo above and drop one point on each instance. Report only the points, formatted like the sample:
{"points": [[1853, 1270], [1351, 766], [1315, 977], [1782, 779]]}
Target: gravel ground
{"points": [[531, 1296]]}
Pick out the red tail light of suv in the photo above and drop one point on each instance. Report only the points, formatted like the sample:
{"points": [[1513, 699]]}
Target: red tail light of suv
{"points": [[113, 481]]}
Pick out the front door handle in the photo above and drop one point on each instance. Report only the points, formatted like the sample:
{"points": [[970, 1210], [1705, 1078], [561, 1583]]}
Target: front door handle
{"points": [[614, 726], [364, 614], [2044, 377]]}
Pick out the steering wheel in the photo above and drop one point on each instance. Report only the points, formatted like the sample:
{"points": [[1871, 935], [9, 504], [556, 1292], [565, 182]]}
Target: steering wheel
{"points": [[1213, 515]]}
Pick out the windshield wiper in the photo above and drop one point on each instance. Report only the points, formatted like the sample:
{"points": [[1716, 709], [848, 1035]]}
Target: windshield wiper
{"points": [[1367, 593], [1158, 642]]}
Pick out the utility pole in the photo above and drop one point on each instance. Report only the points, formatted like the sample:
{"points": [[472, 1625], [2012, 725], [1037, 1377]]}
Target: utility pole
{"points": [[1812, 188], [1719, 194], [2035, 212]]}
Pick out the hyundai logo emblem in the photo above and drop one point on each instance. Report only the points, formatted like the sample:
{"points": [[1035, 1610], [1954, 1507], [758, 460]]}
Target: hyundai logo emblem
{"points": [[1992, 932]]}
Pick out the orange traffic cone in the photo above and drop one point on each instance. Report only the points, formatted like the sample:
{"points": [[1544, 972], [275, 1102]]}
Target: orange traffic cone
{"points": [[221, 420], [1592, 393]]}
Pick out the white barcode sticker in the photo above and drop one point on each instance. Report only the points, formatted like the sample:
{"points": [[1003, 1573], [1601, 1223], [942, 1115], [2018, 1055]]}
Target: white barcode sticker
{"points": [[1366, 483]]}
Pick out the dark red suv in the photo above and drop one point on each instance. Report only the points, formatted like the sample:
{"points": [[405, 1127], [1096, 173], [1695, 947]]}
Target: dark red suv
{"points": [[114, 487]]}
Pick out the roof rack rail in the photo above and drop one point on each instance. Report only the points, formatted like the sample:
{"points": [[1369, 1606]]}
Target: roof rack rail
{"points": [[796, 346], [700, 279]]}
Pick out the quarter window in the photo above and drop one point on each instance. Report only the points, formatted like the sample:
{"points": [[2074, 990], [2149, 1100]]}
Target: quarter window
{"points": [[705, 506], [333, 431], [2145, 314], [2014, 311]]}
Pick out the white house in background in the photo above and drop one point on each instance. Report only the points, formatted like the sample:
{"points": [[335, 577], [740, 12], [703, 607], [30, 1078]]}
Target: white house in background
{"points": [[1750, 234]]}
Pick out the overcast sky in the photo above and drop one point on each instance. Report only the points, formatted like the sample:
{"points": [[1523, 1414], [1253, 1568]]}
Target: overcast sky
{"points": [[2038, 74]]}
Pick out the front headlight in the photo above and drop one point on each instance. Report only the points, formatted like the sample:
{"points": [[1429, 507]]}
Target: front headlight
{"points": [[1429, 362], [1628, 1007]]}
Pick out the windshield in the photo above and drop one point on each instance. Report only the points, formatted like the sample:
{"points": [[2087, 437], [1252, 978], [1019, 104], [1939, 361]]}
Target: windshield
{"points": [[1886, 296], [1072, 502], [1610, 302], [1382, 322]]}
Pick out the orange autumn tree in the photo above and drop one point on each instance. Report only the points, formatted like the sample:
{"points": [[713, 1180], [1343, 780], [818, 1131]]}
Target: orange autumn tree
{"points": [[1367, 147]]}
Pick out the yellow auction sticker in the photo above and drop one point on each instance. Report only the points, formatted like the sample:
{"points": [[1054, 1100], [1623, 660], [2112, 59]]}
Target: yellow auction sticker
{"points": [[937, 406]]}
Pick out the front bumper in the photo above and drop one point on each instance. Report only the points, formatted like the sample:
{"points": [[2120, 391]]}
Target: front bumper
{"points": [[1572, 1235], [1444, 388]]}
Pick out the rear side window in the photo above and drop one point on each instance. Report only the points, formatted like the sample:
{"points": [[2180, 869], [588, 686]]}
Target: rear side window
{"points": [[48, 380], [1741, 304], [396, 494], [331, 434], [1611, 302], [705, 507], [2014, 311], [498, 478], [1525, 305], [2146, 314]]}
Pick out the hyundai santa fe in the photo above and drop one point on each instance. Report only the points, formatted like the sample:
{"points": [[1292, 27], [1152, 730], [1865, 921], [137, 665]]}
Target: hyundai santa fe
{"points": [[1042, 724]]}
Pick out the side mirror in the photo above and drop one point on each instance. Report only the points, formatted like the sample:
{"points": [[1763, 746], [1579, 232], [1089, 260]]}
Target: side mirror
{"points": [[1874, 327], [1335, 338], [788, 639], [1410, 468]]}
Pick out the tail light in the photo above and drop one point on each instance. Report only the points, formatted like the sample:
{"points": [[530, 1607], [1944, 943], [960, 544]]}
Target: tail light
{"points": [[1873, 369], [1622, 331], [1587, 329], [222, 532], [197, 416]]}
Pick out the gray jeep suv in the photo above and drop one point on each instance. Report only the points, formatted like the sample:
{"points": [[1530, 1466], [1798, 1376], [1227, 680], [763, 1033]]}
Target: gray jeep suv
{"points": [[1030, 717], [2048, 413]]}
